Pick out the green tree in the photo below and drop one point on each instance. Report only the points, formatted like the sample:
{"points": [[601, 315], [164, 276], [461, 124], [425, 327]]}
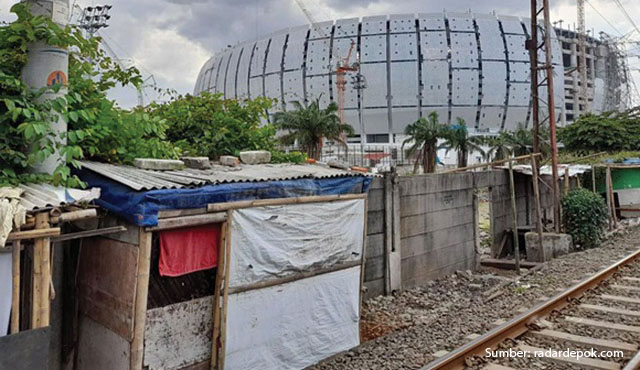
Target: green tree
{"points": [[608, 131], [423, 134], [309, 125], [97, 128], [212, 126], [458, 139]]}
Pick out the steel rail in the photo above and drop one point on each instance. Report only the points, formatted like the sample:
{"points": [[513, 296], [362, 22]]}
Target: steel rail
{"points": [[519, 325]]}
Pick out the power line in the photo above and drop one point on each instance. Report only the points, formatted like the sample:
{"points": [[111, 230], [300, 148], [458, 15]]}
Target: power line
{"points": [[626, 14], [603, 17]]}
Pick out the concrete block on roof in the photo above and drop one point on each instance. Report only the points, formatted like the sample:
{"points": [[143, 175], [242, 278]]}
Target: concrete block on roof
{"points": [[554, 245], [158, 164], [200, 163], [229, 160], [336, 163], [255, 157]]}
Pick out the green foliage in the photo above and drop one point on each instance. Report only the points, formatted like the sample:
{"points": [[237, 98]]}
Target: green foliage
{"points": [[97, 128], [585, 217], [291, 157], [212, 126], [423, 134], [308, 125], [515, 143], [609, 131]]}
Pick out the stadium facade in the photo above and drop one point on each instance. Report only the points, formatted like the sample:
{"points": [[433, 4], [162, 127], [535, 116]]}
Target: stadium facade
{"points": [[471, 66]]}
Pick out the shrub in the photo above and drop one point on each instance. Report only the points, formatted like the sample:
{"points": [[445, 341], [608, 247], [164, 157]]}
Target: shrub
{"points": [[585, 217]]}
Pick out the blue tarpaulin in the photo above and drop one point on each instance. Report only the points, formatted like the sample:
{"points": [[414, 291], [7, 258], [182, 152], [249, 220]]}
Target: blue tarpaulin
{"points": [[141, 207]]}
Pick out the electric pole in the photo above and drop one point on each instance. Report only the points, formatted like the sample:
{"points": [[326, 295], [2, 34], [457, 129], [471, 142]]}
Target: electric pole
{"points": [[47, 66], [582, 64]]}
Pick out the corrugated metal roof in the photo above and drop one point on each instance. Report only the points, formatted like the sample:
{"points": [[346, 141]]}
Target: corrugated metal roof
{"points": [[37, 196], [141, 179], [574, 169]]}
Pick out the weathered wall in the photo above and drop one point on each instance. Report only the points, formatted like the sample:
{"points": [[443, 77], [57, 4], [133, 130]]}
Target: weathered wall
{"points": [[437, 226], [375, 257]]}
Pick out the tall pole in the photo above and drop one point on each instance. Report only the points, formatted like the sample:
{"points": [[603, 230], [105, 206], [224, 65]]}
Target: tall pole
{"points": [[48, 66], [548, 68], [532, 45], [582, 65]]}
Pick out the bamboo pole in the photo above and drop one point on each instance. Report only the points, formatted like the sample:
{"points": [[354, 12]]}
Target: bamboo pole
{"points": [[215, 331], [364, 261], [490, 164], [536, 193], [223, 328], [593, 179], [33, 234], [15, 294], [45, 288], [612, 207], [514, 210], [142, 293], [218, 207], [39, 280], [566, 181], [608, 195]]}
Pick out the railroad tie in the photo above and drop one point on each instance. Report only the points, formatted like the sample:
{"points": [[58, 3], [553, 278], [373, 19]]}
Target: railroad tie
{"points": [[590, 363], [626, 287], [620, 298], [600, 344], [603, 324], [619, 311], [496, 367]]}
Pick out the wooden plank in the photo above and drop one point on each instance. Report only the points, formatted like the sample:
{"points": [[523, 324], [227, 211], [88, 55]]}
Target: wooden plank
{"points": [[582, 362], [625, 287], [15, 287], [619, 311], [506, 264], [33, 234], [43, 245], [620, 298], [187, 221], [171, 213], [601, 344], [107, 284], [88, 233], [142, 291], [222, 262], [603, 324], [219, 207]]}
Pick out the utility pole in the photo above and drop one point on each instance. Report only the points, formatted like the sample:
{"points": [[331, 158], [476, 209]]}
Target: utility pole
{"points": [[533, 47], [582, 65], [48, 66]]}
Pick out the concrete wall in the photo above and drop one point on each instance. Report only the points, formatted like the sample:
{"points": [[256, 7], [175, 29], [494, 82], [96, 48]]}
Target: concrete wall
{"points": [[437, 226], [374, 268]]}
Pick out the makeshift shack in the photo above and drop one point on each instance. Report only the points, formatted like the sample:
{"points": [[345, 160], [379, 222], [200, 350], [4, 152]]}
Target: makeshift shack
{"points": [[265, 259]]}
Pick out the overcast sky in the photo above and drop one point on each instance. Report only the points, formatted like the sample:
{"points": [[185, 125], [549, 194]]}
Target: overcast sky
{"points": [[172, 39]]}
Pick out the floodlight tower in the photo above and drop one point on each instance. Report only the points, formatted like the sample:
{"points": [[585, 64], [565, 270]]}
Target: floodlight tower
{"points": [[93, 18]]}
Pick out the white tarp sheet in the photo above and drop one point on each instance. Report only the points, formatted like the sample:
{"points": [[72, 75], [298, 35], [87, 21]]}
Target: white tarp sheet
{"points": [[6, 286], [293, 325], [277, 241]]}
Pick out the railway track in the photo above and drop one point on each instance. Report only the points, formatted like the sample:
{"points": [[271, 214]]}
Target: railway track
{"points": [[598, 317]]}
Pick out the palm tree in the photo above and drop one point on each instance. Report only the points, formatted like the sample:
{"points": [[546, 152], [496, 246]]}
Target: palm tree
{"points": [[308, 124], [424, 133], [458, 139]]}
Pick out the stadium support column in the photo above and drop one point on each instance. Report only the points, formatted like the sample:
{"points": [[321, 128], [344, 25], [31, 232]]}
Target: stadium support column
{"points": [[48, 66]]}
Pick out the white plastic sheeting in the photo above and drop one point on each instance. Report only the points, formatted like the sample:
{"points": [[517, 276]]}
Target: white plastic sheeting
{"points": [[5, 291], [277, 241], [294, 325]]}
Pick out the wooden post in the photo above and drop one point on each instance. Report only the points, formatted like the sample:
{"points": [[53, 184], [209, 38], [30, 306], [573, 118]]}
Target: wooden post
{"points": [[566, 181], [15, 297], [215, 333], [514, 209], [608, 195], [41, 275], [593, 178], [223, 324], [362, 266], [536, 194], [612, 199], [142, 293]]}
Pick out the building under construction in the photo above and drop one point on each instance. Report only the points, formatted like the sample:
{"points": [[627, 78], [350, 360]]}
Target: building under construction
{"points": [[460, 65]]}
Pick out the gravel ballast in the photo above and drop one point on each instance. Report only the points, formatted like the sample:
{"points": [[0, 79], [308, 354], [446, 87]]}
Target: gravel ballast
{"points": [[413, 325]]}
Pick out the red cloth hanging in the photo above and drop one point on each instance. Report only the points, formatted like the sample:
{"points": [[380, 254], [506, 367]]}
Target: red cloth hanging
{"points": [[186, 250]]}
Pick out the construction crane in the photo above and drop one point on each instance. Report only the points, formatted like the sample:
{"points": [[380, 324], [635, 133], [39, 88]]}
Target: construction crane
{"points": [[582, 64], [343, 66]]}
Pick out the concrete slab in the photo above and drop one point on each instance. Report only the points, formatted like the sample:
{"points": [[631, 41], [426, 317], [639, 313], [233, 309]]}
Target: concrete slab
{"points": [[158, 164], [554, 245]]}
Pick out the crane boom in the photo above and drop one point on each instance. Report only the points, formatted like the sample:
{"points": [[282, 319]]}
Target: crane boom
{"points": [[311, 18]]}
